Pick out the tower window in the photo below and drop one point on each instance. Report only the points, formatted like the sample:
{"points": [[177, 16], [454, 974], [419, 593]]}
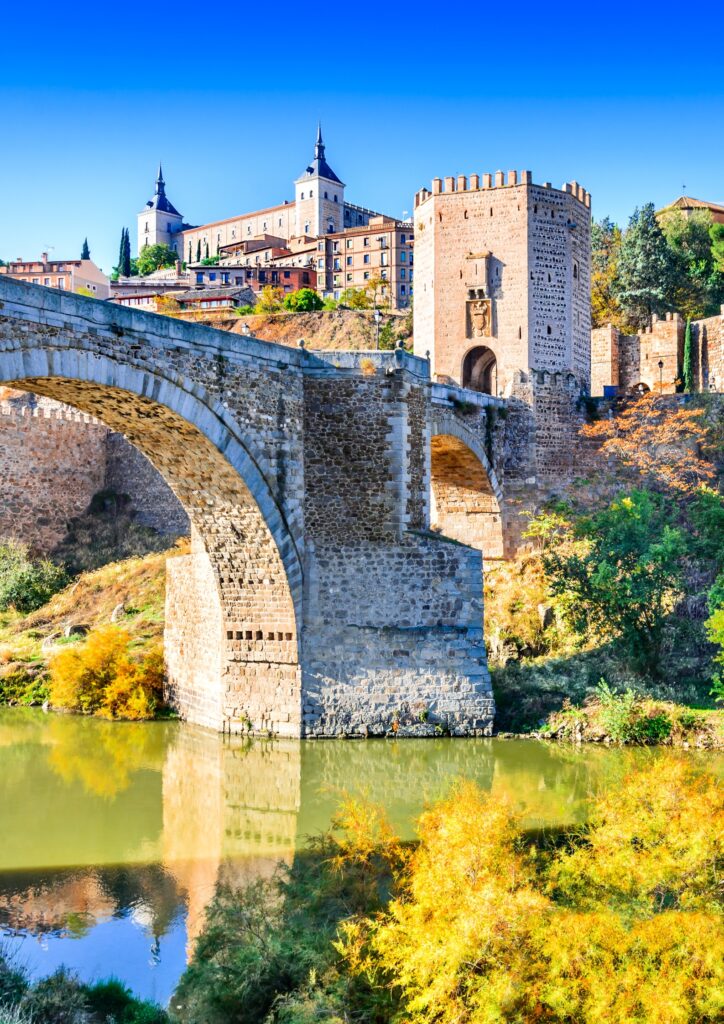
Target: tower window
{"points": [[326, 195], [335, 199], [311, 193], [548, 329]]}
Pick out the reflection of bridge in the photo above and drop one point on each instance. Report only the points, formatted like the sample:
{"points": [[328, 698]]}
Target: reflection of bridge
{"points": [[316, 599]]}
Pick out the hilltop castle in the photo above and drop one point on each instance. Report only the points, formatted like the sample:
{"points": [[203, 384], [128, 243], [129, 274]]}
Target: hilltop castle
{"points": [[315, 231]]}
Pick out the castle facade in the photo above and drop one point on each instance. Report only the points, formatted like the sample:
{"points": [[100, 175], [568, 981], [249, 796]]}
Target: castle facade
{"points": [[503, 279]]}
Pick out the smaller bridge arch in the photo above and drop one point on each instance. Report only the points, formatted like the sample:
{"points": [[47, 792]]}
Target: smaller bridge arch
{"points": [[479, 370], [466, 498]]}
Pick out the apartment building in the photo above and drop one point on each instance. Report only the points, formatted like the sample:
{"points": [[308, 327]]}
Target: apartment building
{"points": [[70, 275]]}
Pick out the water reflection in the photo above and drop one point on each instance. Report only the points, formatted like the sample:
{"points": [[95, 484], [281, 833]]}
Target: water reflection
{"points": [[115, 835]]}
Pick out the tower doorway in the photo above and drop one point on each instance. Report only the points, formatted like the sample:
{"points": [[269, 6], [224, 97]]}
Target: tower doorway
{"points": [[480, 370]]}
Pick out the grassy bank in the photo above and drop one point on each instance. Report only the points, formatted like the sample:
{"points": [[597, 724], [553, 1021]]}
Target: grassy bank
{"points": [[126, 596]]}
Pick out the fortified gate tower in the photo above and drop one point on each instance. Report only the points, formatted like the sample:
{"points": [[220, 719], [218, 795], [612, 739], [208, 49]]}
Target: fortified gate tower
{"points": [[502, 279]]}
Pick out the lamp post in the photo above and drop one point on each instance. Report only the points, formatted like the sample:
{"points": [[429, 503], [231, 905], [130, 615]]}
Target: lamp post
{"points": [[661, 376], [377, 327]]}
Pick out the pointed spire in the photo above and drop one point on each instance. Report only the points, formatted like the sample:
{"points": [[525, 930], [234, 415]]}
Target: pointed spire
{"points": [[160, 183], [319, 144]]}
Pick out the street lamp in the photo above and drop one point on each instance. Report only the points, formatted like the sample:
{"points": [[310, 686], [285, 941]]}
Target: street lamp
{"points": [[661, 376], [377, 327]]}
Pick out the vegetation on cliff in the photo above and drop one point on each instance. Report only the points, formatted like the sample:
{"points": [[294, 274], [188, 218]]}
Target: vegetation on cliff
{"points": [[625, 582]]}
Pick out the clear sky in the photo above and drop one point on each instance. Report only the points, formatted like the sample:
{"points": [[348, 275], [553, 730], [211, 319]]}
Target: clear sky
{"points": [[627, 98]]}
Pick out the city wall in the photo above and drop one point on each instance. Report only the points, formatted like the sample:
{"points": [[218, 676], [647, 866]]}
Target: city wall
{"points": [[653, 360]]}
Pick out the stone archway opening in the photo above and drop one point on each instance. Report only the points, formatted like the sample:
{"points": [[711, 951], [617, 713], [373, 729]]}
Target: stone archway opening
{"points": [[232, 604], [464, 503], [480, 370], [640, 389]]}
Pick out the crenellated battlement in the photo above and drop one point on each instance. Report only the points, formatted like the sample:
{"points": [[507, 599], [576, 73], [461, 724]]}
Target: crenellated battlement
{"points": [[58, 413], [500, 180]]}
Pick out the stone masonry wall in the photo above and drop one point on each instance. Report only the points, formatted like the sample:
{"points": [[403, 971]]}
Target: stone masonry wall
{"points": [[526, 248], [397, 638], [632, 360], [51, 464], [128, 471]]}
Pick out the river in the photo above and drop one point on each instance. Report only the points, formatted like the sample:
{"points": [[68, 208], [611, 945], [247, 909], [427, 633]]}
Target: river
{"points": [[113, 836]]}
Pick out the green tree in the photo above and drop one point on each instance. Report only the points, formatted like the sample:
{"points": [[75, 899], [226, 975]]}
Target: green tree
{"points": [[128, 263], [716, 234], [622, 576], [85, 251], [699, 285], [605, 249], [355, 298], [688, 363], [198, 251], [647, 269], [153, 257], [305, 300]]}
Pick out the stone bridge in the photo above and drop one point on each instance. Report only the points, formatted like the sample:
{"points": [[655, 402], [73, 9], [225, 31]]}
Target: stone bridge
{"points": [[317, 599]]}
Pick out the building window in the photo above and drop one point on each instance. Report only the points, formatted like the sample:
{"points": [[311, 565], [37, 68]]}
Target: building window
{"points": [[403, 239], [366, 275], [402, 273], [46, 280], [383, 259], [403, 257], [36, 280], [61, 282], [402, 289], [350, 243], [383, 275], [199, 278], [366, 241], [337, 265], [287, 273], [349, 261], [224, 278], [335, 199], [212, 277], [335, 246], [366, 257], [349, 277]]}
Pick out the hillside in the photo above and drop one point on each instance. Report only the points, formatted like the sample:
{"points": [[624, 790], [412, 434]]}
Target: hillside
{"points": [[327, 329]]}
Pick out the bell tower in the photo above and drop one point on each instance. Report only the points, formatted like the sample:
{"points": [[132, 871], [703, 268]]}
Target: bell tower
{"points": [[159, 222], [319, 195]]}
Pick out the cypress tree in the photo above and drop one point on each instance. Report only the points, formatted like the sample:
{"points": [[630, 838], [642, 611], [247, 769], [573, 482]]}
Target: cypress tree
{"points": [[85, 251], [688, 368], [198, 251], [121, 254], [207, 248], [127, 255]]}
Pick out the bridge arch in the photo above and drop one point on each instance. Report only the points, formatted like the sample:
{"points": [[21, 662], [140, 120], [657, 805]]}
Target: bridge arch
{"points": [[466, 498], [234, 604]]}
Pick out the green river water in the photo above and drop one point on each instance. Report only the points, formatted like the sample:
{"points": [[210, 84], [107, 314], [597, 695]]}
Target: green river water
{"points": [[113, 836]]}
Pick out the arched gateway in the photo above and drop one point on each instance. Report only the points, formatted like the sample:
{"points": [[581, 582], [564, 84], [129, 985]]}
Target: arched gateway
{"points": [[315, 600]]}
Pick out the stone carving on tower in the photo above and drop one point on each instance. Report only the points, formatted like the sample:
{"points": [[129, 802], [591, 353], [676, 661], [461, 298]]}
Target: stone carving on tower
{"points": [[479, 314]]}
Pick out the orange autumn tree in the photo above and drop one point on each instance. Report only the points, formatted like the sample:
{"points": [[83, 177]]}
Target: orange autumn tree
{"points": [[669, 447]]}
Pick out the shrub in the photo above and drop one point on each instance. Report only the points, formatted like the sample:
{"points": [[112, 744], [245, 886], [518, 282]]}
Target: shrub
{"points": [[26, 584], [99, 676], [59, 999], [305, 300], [626, 718]]}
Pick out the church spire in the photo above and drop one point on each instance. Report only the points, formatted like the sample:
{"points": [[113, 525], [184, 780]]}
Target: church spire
{"points": [[319, 144], [160, 183]]}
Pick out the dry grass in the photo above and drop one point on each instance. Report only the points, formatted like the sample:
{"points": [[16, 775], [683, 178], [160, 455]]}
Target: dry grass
{"points": [[139, 584]]}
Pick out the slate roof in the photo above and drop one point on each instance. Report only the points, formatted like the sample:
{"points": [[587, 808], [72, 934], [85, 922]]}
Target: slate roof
{"points": [[319, 166], [160, 200]]}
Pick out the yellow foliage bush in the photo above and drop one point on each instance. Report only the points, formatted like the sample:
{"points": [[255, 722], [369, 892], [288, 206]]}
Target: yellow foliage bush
{"points": [[99, 676], [618, 924]]}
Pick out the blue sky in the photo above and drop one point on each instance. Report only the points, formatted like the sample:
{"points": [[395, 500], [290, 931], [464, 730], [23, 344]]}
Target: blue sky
{"points": [[628, 99]]}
